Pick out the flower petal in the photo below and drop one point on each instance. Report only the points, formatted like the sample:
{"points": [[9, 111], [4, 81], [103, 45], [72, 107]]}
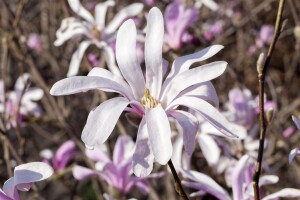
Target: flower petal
{"points": [[190, 127], [123, 150], [64, 154], [285, 193], [77, 57], [78, 84], [102, 120], [191, 77], [207, 111], [3, 196], [142, 160], [153, 51], [127, 12], [295, 152], [127, 58], [209, 148], [204, 182], [159, 134], [80, 10], [296, 121], [110, 60], [100, 155], [268, 180], [100, 12], [81, 173]]}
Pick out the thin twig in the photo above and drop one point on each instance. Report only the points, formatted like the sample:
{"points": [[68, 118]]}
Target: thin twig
{"points": [[262, 66], [178, 186]]}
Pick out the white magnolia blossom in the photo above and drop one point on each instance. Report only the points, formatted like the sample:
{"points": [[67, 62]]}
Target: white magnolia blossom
{"points": [[95, 31], [150, 97]]}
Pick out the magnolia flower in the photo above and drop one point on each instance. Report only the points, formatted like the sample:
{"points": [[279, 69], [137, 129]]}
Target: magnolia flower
{"points": [[94, 29], [151, 98], [211, 4], [24, 176], [214, 30], [295, 152], [62, 156], [241, 178], [34, 42], [116, 172], [20, 105], [178, 19], [263, 38]]}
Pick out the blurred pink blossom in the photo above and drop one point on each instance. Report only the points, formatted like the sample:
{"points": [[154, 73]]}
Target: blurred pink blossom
{"points": [[214, 30], [295, 152], [34, 42], [263, 38]]}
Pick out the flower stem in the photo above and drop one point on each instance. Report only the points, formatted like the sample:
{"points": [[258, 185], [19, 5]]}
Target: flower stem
{"points": [[262, 66], [178, 186]]}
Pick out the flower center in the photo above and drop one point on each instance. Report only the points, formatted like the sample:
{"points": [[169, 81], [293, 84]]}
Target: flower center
{"points": [[96, 32], [148, 101]]}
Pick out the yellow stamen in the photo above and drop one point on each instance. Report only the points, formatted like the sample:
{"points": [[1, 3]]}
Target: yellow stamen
{"points": [[148, 101]]}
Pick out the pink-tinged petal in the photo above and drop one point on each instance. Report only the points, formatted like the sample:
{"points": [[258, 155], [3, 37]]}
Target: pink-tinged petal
{"points": [[3, 196], [21, 82], [159, 134], [142, 160], [10, 189], [284, 193], [238, 177], [123, 150], [153, 51], [295, 152], [191, 77], [143, 187], [64, 154], [100, 12], [209, 148], [197, 194], [81, 173], [98, 154], [33, 94], [78, 84], [77, 57], [207, 111], [177, 152], [296, 121], [127, 58], [80, 10], [127, 12], [190, 127], [204, 182], [102, 120], [110, 60], [183, 63], [268, 180]]}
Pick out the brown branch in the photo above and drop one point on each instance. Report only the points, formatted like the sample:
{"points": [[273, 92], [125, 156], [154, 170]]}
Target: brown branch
{"points": [[262, 66], [178, 187]]}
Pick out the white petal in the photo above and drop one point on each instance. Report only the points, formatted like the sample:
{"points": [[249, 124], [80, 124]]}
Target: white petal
{"points": [[34, 94], [159, 134], [77, 57], [285, 193], [190, 127], [80, 10], [177, 152], [268, 180], [209, 148], [191, 77], [100, 12], [21, 82], [183, 63], [78, 84], [296, 121], [127, 58], [9, 188], [238, 177], [127, 12], [142, 160], [153, 51], [102, 120], [295, 152], [123, 150], [208, 112], [110, 60]]}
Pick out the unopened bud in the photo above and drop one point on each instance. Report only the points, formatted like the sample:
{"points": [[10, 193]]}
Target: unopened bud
{"points": [[260, 63], [269, 115]]}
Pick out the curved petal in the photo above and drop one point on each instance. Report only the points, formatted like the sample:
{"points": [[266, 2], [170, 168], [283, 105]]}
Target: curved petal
{"points": [[183, 63], [238, 177], [209, 148], [78, 84], [77, 57], [127, 12], [100, 12], [190, 127], [99, 155], [153, 51], [102, 120], [207, 111], [127, 58], [268, 180], [10, 189], [80, 10], [204, 182], [81, 173], [159, 134], [64, 154], [295, 152], [285, 193], [142, 160], [110, 60], [3, 196], [296, 121], [123, 150], [191, 77]]}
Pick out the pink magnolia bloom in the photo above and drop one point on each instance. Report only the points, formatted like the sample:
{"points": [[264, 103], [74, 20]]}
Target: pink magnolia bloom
{"points": [[24, 176], [263, 38], [34, 42], [295, 152], [28, 107], [63, 155], [241, 178], [214, 30], [151, 98], [116, 172], [95, 31], [178, 19]]}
